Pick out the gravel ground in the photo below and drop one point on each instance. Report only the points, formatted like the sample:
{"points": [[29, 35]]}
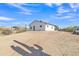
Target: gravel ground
{"points": [[42, 43]]}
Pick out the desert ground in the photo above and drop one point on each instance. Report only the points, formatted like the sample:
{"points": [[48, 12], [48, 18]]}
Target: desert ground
{"points": [[40, 43]]}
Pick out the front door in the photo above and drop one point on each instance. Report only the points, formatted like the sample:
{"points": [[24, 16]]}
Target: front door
{"points": [[33, 28]]}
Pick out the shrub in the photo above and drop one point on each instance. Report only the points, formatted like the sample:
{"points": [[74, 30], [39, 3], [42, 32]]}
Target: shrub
{"points": [[56, 27], [16, 27], [20, 30], [69, 29], [6, 32]]}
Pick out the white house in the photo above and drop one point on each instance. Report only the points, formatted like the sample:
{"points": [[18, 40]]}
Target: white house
{"points": [[41, 26]]}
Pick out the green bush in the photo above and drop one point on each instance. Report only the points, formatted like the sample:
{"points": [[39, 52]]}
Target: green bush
{"points": [[6, 32], [20, 30], [69, 29]]}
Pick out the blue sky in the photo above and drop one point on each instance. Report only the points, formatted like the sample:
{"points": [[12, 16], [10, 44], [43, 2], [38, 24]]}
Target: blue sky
{"points": [[61, 14]]}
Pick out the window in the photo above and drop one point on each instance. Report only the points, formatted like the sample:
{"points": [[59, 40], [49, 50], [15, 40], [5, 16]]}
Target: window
{"points": [[40, 25], [47, 26]]}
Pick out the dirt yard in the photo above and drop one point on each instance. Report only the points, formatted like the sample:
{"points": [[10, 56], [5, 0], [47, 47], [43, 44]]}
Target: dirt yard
{"points": [[40, 44]]}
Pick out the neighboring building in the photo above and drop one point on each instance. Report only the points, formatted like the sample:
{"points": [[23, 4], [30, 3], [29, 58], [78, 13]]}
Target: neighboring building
{"points": [[41, 26]]}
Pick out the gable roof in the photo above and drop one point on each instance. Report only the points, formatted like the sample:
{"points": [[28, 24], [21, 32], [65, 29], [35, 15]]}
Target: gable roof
{"points": [[42, 22]]}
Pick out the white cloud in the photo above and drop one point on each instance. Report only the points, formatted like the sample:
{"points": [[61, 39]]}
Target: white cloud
{"points": [[6, 18], [51, 4], [25, 13], [62, 10], [58, 4], [74, 6], [64, 17], [69, 17], [19, 6], [48, 4]]}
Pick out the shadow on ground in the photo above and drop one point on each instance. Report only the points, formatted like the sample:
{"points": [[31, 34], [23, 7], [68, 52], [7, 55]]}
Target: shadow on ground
{"points": [[34, 52]]}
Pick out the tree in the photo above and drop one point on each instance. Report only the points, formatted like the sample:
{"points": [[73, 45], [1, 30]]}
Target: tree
{"points": [[16, 27], [71, 28], [56, 27]]}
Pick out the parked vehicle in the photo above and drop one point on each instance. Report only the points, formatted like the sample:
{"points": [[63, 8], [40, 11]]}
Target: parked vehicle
{"points": [[76, 31]]}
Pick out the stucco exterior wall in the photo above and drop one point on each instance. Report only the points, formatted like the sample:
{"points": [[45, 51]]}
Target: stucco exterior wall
{"points": [[45, 27], [37, 26], [49, 28]]}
